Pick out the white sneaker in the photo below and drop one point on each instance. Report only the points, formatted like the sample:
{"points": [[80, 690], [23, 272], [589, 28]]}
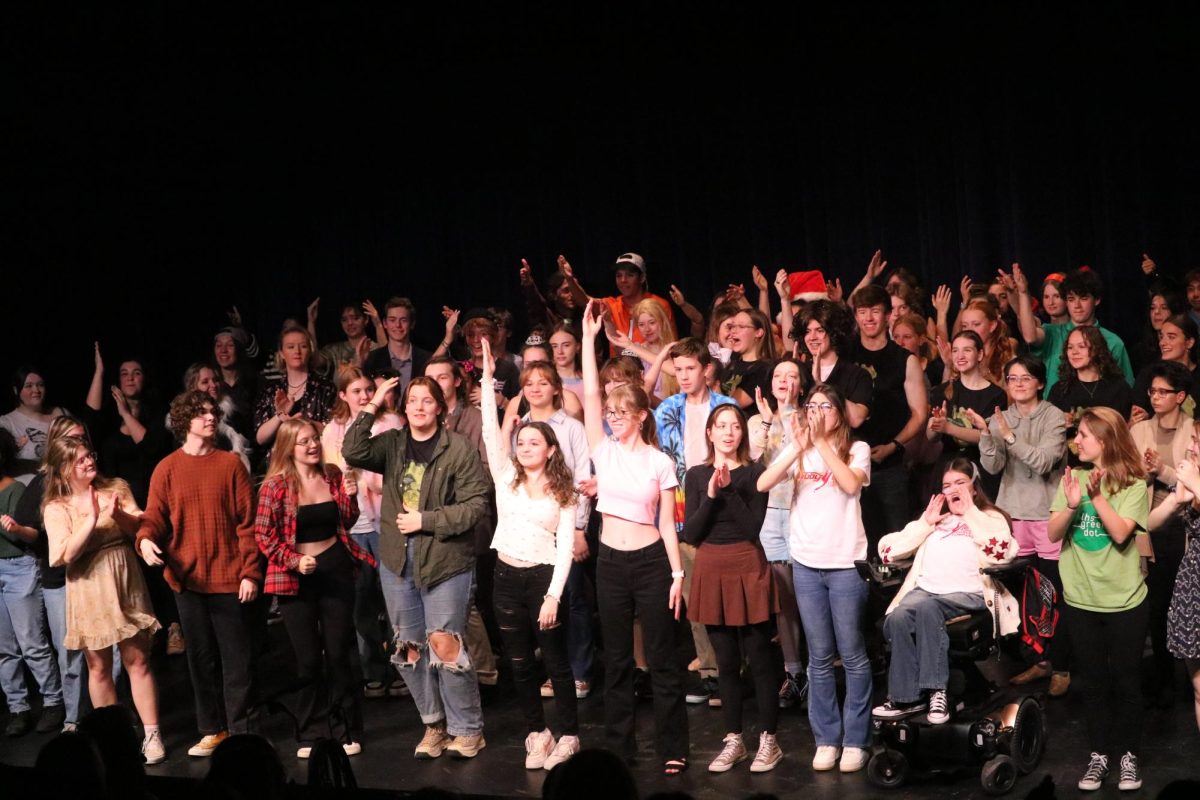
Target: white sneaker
{"points": [[939, 708], [303, 752], [826, 757], [538, 746], [152, 748], [567, 746], [352, 748], [853, 759]]}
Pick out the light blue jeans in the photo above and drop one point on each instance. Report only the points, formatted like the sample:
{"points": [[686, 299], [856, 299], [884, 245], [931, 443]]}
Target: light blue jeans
{"points": [[916, 630], [71, 666], [441, 690], [23, 635], [831, 603]]}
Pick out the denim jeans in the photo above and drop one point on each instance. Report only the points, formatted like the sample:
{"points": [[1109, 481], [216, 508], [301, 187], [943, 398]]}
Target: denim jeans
{"points": [[579, 623], [831, 603], [916, 629], [71, 668], [440, 690], [368, 602], [23, 635], [637, 583]]}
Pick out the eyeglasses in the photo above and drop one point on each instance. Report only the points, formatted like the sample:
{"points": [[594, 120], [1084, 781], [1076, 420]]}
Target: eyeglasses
{"points": [[818, 406], [613, 413], [1156, 392], [1019, 378]]}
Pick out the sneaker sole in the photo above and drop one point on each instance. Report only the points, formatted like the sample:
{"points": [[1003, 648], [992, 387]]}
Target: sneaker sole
{"points": [[194, 753], [150, 763], [758, 767], [1129, 787]]}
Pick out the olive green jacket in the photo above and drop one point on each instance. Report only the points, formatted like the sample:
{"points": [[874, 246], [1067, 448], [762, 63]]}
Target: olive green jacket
{"points": [[453, 498]]}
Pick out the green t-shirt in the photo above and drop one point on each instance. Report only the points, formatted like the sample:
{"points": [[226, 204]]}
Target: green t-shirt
{"points": [[1051, 350], [1096, 574]]}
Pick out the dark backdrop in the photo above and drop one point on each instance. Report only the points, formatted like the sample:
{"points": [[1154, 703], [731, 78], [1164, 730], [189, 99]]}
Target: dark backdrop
{"points": [[163, 167]]}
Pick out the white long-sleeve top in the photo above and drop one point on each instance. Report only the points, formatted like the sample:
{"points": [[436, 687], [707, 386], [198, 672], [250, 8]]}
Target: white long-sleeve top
{"points": [[538, 531]]}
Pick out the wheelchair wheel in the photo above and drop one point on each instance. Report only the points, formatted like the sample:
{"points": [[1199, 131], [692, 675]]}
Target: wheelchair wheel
{"points": [[998, 775], [1028, 740], [887, 769]]}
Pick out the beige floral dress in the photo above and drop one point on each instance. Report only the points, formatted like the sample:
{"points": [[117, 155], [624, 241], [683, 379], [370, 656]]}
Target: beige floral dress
{"points": [[107, 600]]}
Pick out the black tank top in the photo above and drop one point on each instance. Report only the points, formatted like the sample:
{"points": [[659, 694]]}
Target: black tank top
{"points": [[316, 522]]}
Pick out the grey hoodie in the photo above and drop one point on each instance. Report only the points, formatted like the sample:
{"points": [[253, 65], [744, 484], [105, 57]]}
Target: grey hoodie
{"points": [[1032, 465]]}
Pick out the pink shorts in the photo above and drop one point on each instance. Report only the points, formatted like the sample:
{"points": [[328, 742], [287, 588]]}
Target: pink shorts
{"points": [[1033, 537]]}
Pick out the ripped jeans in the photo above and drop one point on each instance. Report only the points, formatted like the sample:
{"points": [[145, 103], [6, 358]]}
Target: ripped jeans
{"points": [[442, 689]]}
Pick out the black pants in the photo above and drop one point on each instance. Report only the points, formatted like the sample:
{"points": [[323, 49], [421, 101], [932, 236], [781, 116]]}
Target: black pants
{"points": [[517, 595], [1109, 648], [219, 632], [1169, 543], [1058, 651], [637, 583], [730, 643], [320, 624]]}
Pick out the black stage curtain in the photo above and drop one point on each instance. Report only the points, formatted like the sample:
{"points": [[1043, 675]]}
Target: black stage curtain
{"points": [[162, 169]]}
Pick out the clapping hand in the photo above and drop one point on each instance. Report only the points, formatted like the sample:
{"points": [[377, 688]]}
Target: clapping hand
{"points": [[719, 480], [937, 418], [1095, 479], [1071, 489]]}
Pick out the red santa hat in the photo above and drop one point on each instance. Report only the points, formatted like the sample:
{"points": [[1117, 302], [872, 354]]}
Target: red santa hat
{"points": [[808, 285]]}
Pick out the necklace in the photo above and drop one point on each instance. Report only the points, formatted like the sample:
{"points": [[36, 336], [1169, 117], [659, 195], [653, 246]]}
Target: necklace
{"points": [[298, 385], [1091, 393]]}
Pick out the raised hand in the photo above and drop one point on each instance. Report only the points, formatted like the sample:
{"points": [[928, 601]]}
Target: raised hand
{"points": [[565, 268], [1148, 265], [234, 316], [735, 293], [361, 351], [941, 299], [451, 316], [876, 265], [97, 358], [591, 320], [944, 351], [526, 273], [677, 296], [1020, 280], [964, 288], [1006, 280], [380, 396], [760, 280], [371, 311], [783, 285], [834, 287], [489, 364], [935, 512], [312, 310]]}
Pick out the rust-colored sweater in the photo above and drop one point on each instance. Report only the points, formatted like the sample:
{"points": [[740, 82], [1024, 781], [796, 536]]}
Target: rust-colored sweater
{"points": [[201, 513]]}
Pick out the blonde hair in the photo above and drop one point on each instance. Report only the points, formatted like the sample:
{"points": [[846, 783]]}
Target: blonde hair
{"points": [[632, 397], [1119, 456], [313, 358], [282, 461], [346, 375], [61, 456], [666, 326]]}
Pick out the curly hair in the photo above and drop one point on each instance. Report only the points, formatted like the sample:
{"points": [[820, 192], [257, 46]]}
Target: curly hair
{"points": [[186, 407], [1101, 357], [559, 480], [998, 348], [831, 316]]}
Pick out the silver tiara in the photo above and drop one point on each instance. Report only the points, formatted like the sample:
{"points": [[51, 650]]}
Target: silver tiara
{"points": [[534, 339]]}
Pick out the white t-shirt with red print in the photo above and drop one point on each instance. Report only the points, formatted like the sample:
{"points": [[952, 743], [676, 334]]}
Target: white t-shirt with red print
{"points": [[826, 523]]}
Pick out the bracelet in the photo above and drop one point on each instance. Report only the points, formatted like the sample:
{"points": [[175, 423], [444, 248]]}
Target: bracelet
{"points": [[551, 597], [677, 574], [899, 447], [766, 424], [1072, 508]]}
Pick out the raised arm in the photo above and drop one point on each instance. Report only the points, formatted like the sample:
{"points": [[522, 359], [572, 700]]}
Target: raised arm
{"points": [[581, 297], [497, 446], [359, 448], [451, 316], [764, 290], [875, 268], [95, 395], [690, 311], [1031, 331], [784, 287], [593, 409]]}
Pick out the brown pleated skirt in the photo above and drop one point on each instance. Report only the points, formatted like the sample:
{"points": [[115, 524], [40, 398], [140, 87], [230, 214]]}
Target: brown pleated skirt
{"points": [[732, 585]]}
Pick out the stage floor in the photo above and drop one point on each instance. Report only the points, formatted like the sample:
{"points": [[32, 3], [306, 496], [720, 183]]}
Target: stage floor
{"points": [[1170, 745]]}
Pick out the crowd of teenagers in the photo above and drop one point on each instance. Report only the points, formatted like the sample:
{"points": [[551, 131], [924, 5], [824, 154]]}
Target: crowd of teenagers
{"points": [[579, 501]]}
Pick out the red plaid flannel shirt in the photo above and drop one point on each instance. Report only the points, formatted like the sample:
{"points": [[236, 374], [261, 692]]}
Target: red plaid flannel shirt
{"points": [[275, 530]]}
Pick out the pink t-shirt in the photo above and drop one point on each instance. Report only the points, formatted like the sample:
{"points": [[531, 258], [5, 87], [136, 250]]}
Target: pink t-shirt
{"points": [[628, 482], [826, 528]]}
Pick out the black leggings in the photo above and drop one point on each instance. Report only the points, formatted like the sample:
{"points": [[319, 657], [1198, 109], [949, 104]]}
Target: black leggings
{"points": [[1110, 656], [320, 624], [755, 642]]}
